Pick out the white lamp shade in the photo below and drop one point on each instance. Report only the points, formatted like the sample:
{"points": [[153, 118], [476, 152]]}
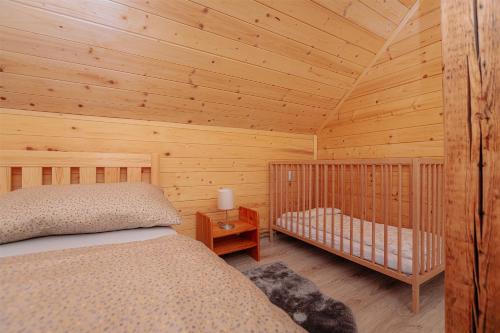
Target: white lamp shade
{"points": [[225, 199]]}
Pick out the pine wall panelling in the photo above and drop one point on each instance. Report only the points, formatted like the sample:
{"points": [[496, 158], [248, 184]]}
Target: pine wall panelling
{"points": [[396, 108], [195, 162], [272, 65]]}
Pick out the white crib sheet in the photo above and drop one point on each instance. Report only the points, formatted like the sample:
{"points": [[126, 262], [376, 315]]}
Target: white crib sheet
{"points": [[298, 223]]}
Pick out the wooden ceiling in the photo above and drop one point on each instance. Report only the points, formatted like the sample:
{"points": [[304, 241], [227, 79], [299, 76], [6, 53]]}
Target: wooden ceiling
{"points": [[280, 65]]}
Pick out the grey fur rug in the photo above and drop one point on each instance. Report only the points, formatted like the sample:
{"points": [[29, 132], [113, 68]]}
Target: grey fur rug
{"points": [[302, 300]]}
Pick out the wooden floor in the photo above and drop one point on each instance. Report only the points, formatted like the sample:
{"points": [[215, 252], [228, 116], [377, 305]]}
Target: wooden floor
{"points": [[379, 303]]}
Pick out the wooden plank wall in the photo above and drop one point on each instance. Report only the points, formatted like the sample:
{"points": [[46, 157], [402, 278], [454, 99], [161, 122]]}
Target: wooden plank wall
{"points": [[471, 51], [195, 160], [272, 65], [396, 109]]}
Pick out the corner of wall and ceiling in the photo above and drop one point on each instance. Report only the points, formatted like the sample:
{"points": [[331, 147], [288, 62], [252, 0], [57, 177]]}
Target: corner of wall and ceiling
{"points": [[335, 112]]}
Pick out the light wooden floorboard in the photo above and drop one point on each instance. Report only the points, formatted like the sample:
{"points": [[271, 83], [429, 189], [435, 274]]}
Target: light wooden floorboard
{"points": [[379, 303]]}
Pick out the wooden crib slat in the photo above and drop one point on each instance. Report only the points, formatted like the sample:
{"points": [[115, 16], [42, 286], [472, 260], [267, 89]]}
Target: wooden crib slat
{"points": [[415, 191], [272, 199], [333, 206], [88, 175], [374, 182], [310, 202], [296, 202], [434, 215], [295, 196], [351, 210], [362, 180], [316, 191], [342, 208], [303, 167], [440, 216], [281, 194], [31, 176], [134, 175], [429, 219], [389, 207], [400, 212], [423, 218], [5, 179], [325, 199], [61, 175], [384, 191], [277, 193], [291, 185], [363, 210], [443, 239], [389, 202], [286, 196]]}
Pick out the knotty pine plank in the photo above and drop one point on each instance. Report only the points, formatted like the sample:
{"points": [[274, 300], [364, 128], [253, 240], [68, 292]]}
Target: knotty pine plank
{"points": [[76, 52]]}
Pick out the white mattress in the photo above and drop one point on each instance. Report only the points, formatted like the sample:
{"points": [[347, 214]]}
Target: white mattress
{"points": [[61, 242], [294, 221]]}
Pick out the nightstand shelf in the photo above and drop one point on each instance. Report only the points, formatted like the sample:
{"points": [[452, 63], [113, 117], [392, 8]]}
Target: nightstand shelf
{"points": [[239, 227], [231, 244], [244, 236]]}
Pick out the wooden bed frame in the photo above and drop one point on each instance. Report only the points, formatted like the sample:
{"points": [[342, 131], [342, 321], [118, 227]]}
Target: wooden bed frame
{"points": [[402, 193], [26, 168]]}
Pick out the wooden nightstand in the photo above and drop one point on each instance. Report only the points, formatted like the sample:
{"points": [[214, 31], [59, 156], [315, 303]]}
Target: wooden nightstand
{"points": [[244, 236]]}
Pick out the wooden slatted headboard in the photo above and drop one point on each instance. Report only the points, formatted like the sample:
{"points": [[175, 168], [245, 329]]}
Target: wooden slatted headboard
{"points": [[25, 168]]}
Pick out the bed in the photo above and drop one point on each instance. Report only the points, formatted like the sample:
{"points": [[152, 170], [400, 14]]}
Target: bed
{"points": [[385, 214], [140, 279]]}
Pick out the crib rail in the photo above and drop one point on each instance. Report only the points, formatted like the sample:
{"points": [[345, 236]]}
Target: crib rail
{"points": [[386, 214]]}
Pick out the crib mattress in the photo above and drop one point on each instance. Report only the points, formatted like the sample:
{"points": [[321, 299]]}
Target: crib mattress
{"points": [[304, 224]]}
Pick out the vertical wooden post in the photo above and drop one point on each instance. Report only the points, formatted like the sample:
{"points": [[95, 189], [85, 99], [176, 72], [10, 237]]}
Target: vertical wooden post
{"points": [[471, 48]]}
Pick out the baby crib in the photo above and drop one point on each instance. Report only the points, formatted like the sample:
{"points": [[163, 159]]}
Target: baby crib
{"points": [[385, 214]]}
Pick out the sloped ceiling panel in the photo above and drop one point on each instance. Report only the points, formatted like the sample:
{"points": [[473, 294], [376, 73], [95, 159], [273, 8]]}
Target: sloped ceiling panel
{"points": [[265, 64], [396, 109]]}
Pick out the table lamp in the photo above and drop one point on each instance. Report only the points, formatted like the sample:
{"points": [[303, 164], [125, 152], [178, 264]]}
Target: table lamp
{"points": [[225, 201]]}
